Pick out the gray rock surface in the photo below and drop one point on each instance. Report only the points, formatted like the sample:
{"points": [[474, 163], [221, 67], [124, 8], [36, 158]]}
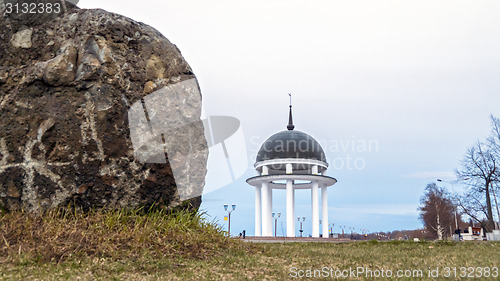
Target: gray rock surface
{"points": [[68, 82]]}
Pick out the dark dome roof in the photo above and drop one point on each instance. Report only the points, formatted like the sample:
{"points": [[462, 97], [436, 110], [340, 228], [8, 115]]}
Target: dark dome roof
{"points": [[291, 144]]}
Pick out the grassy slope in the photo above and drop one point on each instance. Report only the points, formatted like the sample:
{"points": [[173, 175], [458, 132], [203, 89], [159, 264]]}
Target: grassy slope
{"points": [[133, 246]]}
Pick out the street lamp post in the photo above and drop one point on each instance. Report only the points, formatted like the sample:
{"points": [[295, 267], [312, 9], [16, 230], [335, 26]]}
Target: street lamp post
{"points": [[453, 190], [303, 220], [365, 233], [276, 222], [233, 207], [331, 228]]}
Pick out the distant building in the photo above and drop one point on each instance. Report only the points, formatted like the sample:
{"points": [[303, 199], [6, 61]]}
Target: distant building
{"points": [[473, 233], [493, 236]]}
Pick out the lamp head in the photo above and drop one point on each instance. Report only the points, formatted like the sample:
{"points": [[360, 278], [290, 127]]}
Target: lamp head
{"points": [[279, 215], [225, 207], [233, 206]]}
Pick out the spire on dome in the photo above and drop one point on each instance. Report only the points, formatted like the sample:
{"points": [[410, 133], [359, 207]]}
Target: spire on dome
{"points": [[290, 126]]}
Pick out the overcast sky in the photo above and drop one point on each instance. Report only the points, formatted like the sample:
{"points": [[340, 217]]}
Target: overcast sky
{"points": [[417, 78]]}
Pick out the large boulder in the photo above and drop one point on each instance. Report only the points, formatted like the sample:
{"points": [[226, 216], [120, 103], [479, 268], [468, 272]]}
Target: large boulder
{"points": [[96, 110]]}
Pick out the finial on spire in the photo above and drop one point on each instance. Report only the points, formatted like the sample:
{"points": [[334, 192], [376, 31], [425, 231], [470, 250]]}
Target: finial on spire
{"points": [[290, 126]]}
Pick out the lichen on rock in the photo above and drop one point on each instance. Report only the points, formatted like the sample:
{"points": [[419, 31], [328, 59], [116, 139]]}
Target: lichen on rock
{"points": [[22, 39]]}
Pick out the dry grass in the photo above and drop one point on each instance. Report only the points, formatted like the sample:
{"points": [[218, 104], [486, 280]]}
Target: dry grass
{"points": [[58, 235], [133, 245]]}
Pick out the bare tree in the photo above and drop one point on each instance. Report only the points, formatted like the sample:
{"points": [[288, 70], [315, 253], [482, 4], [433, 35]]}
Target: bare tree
{"points": [[436, 211], [494, 143], [472, 205], [494, 138], [494, 190], [481, 173]]}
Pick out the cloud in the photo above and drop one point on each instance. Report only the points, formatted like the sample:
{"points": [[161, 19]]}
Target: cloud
{"points": [[431, 175]]}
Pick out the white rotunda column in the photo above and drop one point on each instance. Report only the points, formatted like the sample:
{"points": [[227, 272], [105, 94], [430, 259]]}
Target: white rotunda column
{"points": [[324, 208], [290, 204], [265, 170], [314, 170], [290, 209], [293, 210], [258, 213], [315, 208], [270, 212], [265, 208]]}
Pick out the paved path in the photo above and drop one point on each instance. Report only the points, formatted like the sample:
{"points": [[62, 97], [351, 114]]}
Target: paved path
{"points": [[255, 239]]}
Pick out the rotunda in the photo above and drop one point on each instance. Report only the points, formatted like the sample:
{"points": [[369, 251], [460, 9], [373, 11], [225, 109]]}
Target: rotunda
{"points": [[290, 160]]}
